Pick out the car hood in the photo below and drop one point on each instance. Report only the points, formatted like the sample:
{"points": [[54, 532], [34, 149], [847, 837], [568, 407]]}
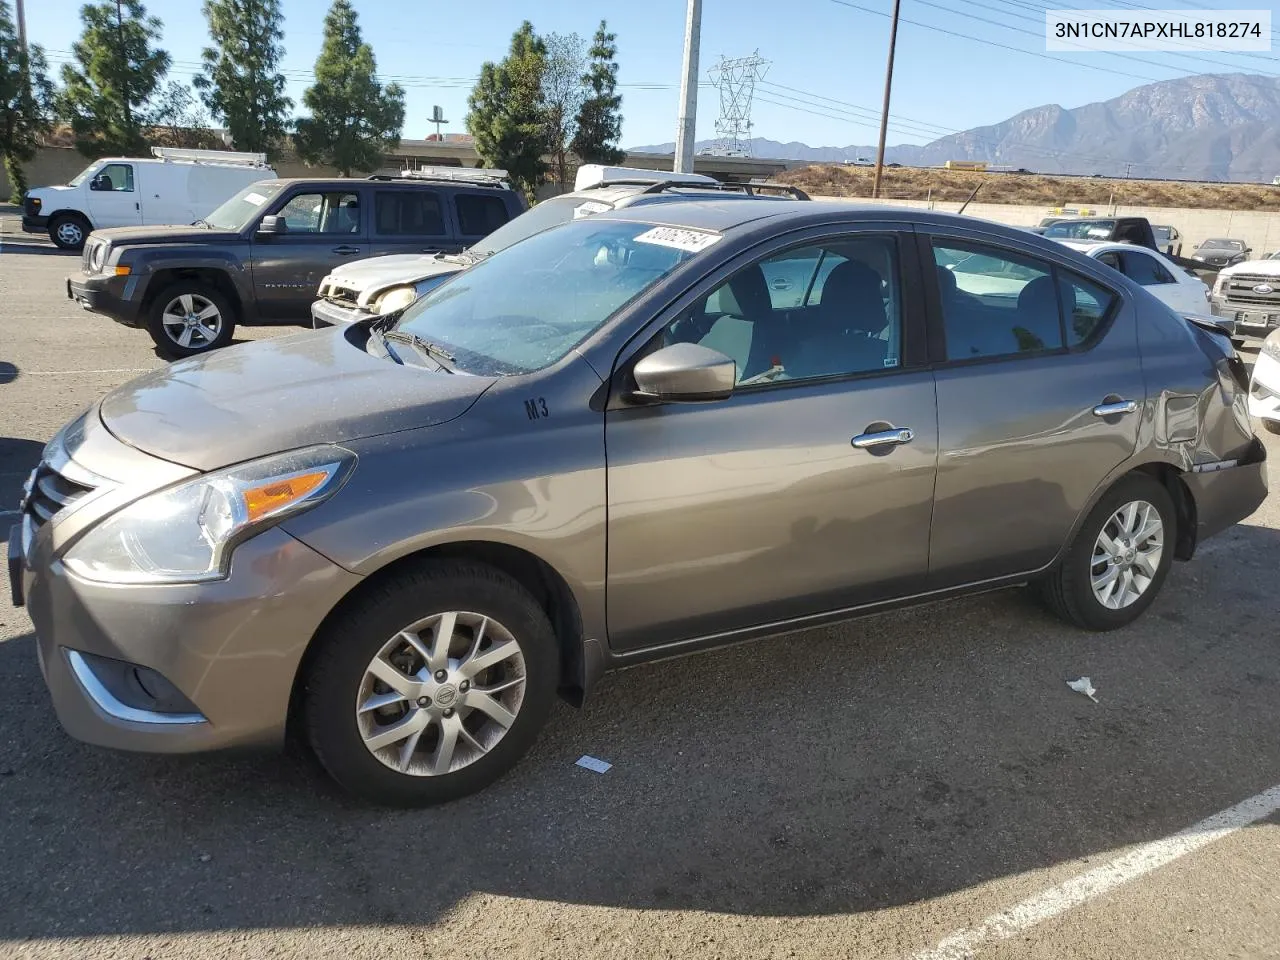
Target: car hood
{"points": [[52, 188], [261, 398], [175, 234], [369, 277], [1262, 268]]}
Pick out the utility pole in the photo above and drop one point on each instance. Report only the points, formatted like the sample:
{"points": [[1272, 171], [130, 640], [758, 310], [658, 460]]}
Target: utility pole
{"points": [[1127, 168], [884, 112], [689, 89], [124, 68]]}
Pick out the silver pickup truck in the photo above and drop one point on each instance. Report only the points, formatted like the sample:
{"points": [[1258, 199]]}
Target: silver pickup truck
{"points": [[1249, 294]]}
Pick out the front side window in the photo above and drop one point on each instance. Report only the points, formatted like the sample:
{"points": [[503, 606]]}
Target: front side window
{"points": [[322, 213], [527, 306], [115, 178], [407, 213], [1145, 270], [994, 302], [831, 309], [479, 216]]}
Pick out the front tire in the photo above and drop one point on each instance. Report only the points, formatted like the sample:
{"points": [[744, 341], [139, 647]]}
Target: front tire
{"points": [[1119, 558], [430, 686], [190, 318], [69, 231]]}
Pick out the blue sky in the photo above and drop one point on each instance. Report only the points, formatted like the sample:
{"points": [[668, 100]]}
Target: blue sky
{"points": [[823, 86]]}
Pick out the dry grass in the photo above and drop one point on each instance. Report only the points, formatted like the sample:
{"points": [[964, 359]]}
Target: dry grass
{"points": [[909, 183]]}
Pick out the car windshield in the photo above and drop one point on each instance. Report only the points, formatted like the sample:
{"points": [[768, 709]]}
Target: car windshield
{"points": [[1162, 233], [543, 216], [1082, 229], [527, 306], [83, 175], [236, 213], [1234, 245]]}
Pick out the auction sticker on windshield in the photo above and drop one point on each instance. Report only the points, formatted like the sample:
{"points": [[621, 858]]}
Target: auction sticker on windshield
{"points": [[690, 241], [256, 199], [589, 208]]}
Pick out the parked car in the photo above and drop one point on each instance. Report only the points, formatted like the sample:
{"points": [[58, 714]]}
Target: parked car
{"points": [[1168, 239], [260, 256], [1046, 223], [1221, 252], [609, 443], [1264, 387], [1135, 230], [1249, 294], [365, 288], [174, 186], [1160, 276]]}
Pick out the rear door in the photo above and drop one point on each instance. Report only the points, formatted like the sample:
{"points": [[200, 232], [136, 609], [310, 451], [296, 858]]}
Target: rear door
{"points": [[115, 197], [478, 214], [326, 228], [1034, 366], [409, 220]]}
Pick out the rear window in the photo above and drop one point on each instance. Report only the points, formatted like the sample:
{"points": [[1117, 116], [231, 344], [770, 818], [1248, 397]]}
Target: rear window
{"points": [[478, 215]]}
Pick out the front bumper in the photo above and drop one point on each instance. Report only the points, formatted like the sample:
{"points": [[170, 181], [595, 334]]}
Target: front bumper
{"points": [[119, 298], [1227, 495], [1253, 321], [34, 223], [326, 313], [1264, 388]]}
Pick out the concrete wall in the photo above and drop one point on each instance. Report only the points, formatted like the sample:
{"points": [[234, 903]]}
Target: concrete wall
{"points": [[1261, 231]]}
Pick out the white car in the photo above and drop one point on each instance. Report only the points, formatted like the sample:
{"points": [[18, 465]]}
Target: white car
{"points": [[1166, 280], [1264, 390]]}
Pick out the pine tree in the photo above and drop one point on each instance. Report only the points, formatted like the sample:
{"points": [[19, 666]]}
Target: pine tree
{"points": [[354, 119], [599, 122], [26, 97], [241, 83], [117, 70], [508, 111]]}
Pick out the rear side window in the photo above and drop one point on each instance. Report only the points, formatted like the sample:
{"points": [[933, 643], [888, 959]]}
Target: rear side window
{"points": [[407, 213], [479, 216], [1086, 306], [1145, 270]]}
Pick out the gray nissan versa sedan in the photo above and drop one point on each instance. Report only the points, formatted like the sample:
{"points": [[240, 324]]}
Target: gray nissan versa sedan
{"points": [[634, 435]]}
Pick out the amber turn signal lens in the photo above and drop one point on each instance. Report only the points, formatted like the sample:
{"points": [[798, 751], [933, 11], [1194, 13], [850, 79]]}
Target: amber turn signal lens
{"points": [[122, 271], [263, 500]]}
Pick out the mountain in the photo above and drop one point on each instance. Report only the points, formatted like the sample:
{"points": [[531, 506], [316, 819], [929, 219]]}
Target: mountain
{"points": [[1208, 127]]}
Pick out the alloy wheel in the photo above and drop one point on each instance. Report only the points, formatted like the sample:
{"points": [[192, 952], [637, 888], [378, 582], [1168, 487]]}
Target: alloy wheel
{"points": [[191, 320], [441, 693], [1127, 555]]}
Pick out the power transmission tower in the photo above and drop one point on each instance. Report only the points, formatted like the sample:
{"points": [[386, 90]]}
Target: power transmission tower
{"points": [[736, 81]]}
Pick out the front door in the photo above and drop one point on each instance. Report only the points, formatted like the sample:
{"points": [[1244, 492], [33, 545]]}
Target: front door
{"points": [[1039, 365], [325, 229], [811, 488], [115, 198]]}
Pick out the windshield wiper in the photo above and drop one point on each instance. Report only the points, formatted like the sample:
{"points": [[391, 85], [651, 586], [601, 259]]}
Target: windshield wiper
{"points": [[425, 348], [202, 222], [378, 338]]}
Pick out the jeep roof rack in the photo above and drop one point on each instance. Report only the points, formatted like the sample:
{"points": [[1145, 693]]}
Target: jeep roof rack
{"points": [[472, 176], [229, 157], [728, 186]]}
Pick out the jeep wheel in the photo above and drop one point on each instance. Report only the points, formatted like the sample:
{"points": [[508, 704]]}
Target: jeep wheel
{"points": [[190, 318], [68, 231]]}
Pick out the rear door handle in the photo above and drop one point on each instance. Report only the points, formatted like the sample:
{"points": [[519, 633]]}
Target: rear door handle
{"points": [[1115, 408], [884, 438], [345, 251]]}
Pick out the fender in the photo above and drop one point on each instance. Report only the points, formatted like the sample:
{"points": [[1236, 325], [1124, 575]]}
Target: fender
{"points": [[149, 260]]}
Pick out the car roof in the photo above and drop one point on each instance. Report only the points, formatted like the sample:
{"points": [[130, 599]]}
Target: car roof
{"points": [[383, 182], [1090, 247]]}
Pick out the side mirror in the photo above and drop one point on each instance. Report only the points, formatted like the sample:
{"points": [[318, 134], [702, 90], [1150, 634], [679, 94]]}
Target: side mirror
{"points": [[684, 373], [97, 183], [273, 226]]}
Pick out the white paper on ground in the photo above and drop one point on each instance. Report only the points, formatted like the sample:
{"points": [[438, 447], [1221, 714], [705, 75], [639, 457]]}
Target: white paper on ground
{"points": [[594, 765], [1083, 685]]}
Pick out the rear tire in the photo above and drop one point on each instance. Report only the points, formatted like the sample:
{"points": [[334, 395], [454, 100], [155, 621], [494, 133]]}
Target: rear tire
{"points": [[1101, 587], [378, 712], [189, 318], [68, 231]]}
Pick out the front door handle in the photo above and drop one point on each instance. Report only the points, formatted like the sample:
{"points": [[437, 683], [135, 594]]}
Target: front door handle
{"points": [[884, 438], [1115, 408], [345, 251]]}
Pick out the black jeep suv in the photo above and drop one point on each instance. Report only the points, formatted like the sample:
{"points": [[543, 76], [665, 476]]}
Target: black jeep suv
{"points": [[259, 257]]}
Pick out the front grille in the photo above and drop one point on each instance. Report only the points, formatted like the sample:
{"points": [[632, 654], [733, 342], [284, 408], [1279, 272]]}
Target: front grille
{"points": [[341, 295], [49, 492], [1239, 289]]}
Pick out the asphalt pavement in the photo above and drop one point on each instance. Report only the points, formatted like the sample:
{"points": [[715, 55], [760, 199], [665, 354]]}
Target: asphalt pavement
{"points": [[920, 783]]}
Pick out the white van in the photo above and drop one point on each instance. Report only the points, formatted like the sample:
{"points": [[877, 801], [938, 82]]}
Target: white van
{"points": [[172, 187]]}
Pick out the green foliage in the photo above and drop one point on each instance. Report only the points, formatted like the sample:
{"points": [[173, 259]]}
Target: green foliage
{"points": [[117, 71], [507, 111], [563, 92], [26, 98], [599, 125], [178, 120], [241, 83], [354, 119]]}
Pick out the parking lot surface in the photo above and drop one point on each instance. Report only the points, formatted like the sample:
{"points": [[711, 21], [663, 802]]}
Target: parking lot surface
{"points": [[920, 783]]}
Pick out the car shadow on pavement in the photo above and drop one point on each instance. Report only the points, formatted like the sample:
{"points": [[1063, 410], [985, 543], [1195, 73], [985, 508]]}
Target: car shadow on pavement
{"points": [[895, 760], [32, 248]]}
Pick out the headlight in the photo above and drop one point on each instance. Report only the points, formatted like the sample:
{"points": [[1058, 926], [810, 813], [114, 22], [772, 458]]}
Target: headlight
{"points": [[396, 298], [1218, 284], [97, 257], [1271, 347], [187, 533]]}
